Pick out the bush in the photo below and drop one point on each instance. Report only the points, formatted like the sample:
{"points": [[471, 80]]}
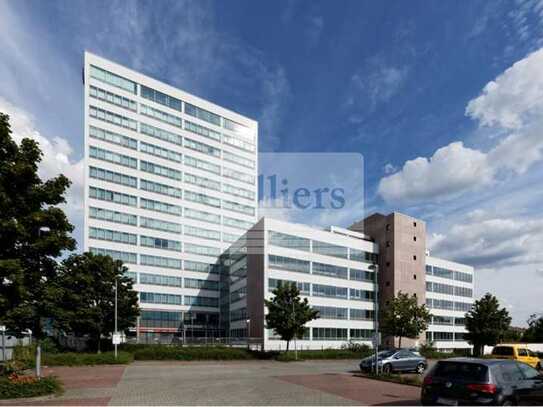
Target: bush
{"points": [[31, 387], [158, 352], [288, 357], [336, 353], [79, 359]]}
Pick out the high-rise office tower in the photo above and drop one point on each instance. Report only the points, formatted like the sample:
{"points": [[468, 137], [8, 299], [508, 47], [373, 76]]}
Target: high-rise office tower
{"points": [[170, 183]]}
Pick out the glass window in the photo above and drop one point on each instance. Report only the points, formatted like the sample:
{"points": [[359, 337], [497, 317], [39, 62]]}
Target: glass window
{"points": [[113, 79], [326, 334], [237, 207], [287, 263], [160, 319], [361, 295], [158, 298], [361, 314], [160, 152], [429, 270], [160, 115], [529, 372], [113, 216], [159, 261], [202, 233], [202, 131], [111, 196], [158, 243], [329, 249], [465, 277], [161, 134], [112, 118], [160, 170], [238, 176], [202, 199], [160, 188], [331, 312], [360, 255], [202, 114], [202, 250], [320, 290], [201, 215], [158, 279], [329, 270], [113, 236], [160, 207], [202, 182], [288, 241], [201, 267], [114, 177], [162, 225], [202, 284], [110, 156], [125, 257], [361, 334], [113, 98], [238, 128], [239, 192], [443, 273], [361, 275], [202, 147], [161, 98], [305, 288], [237, 143], [236, 223], [510, 372], [237, 159], [201, 301], [202, 165], [113, 138]]}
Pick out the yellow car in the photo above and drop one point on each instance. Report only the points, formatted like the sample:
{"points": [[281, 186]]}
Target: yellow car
{"points": [[518, 352]]}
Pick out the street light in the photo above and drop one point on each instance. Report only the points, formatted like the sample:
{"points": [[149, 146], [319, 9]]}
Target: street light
{"points": [[375, 267], [42, 231], [3, 330], [248, 333], [115, 334]]}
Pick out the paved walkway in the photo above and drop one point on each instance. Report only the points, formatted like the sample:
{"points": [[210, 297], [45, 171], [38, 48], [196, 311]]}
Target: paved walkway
{"points": [[225, 383]]}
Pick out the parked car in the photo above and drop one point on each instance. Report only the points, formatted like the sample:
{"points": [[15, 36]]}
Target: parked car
{"points": [[470, 381], [517, 351], [395, 360]]}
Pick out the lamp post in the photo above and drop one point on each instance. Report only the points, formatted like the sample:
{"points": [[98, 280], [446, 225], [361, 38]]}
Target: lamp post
{"points": [[115, 333], [375, 267], [41, 232], [3, 330]]}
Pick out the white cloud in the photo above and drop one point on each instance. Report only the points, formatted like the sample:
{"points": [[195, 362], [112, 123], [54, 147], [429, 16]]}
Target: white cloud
{"points": [[379, 83], [389, 168], [57, 158], [513, 104]]}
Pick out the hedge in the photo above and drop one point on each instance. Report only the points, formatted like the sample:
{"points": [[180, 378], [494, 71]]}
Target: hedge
{"points": [[34, 388], [157, 352], [80, 359]]}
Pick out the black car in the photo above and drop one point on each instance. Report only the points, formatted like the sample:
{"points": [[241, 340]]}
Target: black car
{"points": [[467, 381]]}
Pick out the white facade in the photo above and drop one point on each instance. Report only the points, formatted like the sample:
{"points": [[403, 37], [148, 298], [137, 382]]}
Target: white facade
{"points": [[171, 181], [449, 295]]}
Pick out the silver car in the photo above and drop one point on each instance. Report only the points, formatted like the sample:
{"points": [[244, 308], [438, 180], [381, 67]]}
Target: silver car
{"points": [[397, 360]]}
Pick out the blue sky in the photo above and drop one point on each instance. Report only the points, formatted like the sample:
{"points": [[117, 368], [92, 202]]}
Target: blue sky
{"points": [[443, 99]]}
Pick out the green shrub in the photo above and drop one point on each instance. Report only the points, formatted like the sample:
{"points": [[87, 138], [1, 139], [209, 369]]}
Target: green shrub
{"points": [[11, 390], [81, 359], [288, 357], [158, 352]]}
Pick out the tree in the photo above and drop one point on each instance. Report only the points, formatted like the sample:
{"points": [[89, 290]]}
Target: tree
{"points": [[403, 317], [288, 313], [83, 296], [534, 333], [486, 323], [33, 232]]}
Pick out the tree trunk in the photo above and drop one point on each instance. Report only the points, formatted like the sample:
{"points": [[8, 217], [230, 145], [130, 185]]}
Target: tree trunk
{"points": [[288, 343], [99, 347], [400, 343]]}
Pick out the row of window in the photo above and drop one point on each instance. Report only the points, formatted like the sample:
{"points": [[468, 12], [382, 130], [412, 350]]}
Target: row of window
{"points": [[321, 290], [444, 320], [448, 305], [113, 98], [174, 299], [449, 289], [450, 274], [326, 312], [444, 336], [305, 266], [174, 281], [178, 319], [327, 249]]}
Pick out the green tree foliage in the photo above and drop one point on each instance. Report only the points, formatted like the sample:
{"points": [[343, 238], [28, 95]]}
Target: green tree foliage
{"points": [[33, 232], [534, 333], [486, 323], [288, 313], [83, 296], [404, 318]]}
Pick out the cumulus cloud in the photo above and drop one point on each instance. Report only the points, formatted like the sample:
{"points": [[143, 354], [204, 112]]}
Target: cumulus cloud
{"points": [[512, 103]]}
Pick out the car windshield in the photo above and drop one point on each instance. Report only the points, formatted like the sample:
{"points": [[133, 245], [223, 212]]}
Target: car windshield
{"points": [[386, 353], [461, 370]]}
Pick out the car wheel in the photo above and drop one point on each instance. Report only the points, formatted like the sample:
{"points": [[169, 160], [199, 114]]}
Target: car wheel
{"points": [[420, 368], [507, 402], [387, 369]]}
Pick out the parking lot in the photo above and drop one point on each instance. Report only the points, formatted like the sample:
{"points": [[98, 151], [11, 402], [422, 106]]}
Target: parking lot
{"points": [[227, 383]]}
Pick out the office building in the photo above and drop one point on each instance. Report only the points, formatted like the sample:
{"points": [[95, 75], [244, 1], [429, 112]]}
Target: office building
{"points": [[170, 183]]}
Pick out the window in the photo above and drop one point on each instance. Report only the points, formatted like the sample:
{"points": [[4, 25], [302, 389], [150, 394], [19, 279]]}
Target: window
{"points": [[160, 152], [113, 79], [160, 170], [125, 257], [288, 241], [113, 216], [159, 243], [528, 372], [237, 128], [161, 98], [414, 276], [361, 275], [463, 292], [462, 306], [465, 277], [113, 138], [329, 249], [202, 147], [113, 118], [158, 261], [305, 288], [202, 131], [237, 207], [160, 188], [320, 290], [356, 314], [160, 115], [361, 295], [201, 301], [361, 334], [325, 334], [236, 223], [329, 270], [414, 238], [443, 273], [202, 165], [229, 237], [110, 156], [113, 236], [443, 336], [111, 196], [360, 255], [287, 263], [236, 191], [202, 233], [414, 257], [201, 267], [522, 352], [157, 298], [429, 270], [331, 312], [160, 319], [202, 182], [162, 225], [202, 216], [158, 279], [160, 207], [112, 98], [202, 250], [202, 114], [202, 199], [238, 315], [114, 177], [510, 372], [161, 134], [202, 284], [236, 142], [438, 320], [415, 224], [237, 159]]}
